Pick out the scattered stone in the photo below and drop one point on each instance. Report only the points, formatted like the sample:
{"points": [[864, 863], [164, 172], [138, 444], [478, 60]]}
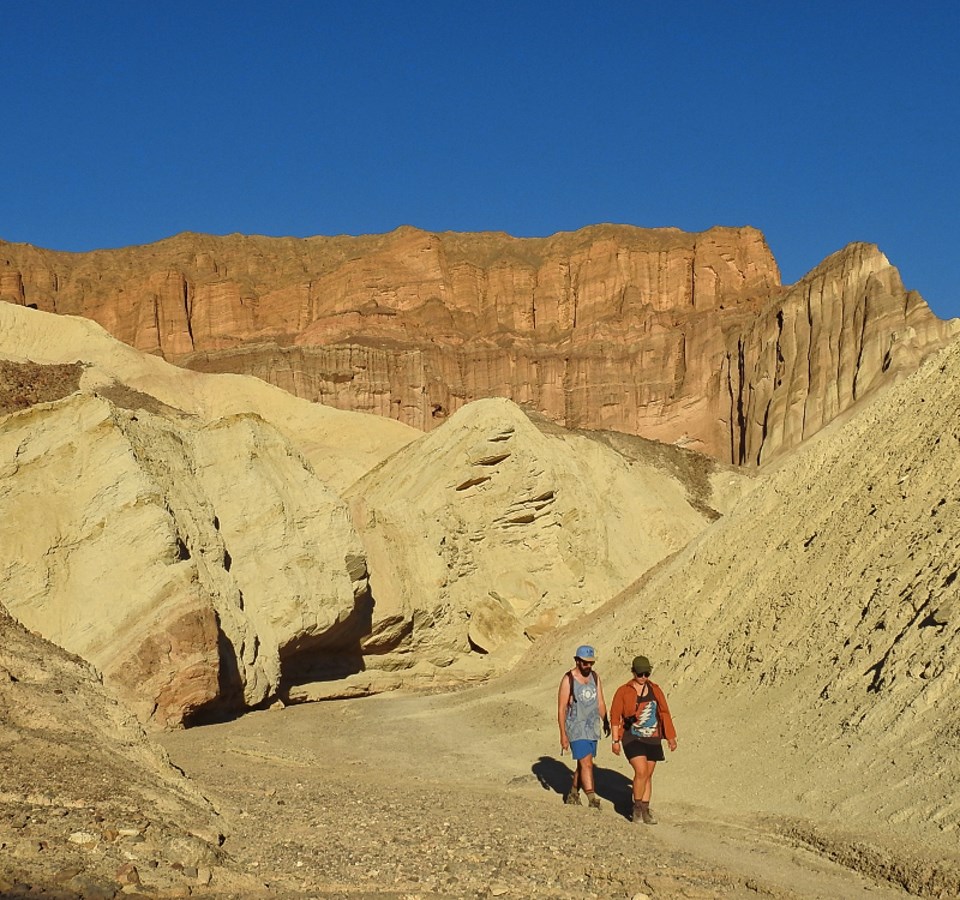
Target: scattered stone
{"points": [[128, 874], [83, 838], [67, 873], [92, 888]]}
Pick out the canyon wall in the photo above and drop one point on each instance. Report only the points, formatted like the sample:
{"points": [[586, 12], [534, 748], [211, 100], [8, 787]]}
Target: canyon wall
{"points": [[684, 338]]}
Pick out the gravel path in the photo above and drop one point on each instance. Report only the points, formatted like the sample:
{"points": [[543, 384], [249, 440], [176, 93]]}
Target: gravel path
{"points": [[408, 797]]}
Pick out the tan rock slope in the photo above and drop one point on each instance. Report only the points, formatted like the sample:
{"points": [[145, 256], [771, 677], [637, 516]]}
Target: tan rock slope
{"points": [[674, 336], [202, 563], [87, 803], [194, 558], [339, 446], [186, 562], [810, 639], [490, 531]]}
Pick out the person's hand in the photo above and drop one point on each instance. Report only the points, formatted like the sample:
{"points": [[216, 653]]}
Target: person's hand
{"points": [[606, 726], [616, 748], [672, 744], [564, 744]]}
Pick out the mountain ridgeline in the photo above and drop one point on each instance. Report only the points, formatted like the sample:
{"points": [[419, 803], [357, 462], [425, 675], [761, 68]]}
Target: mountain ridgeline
{"points": [[679, 337]]}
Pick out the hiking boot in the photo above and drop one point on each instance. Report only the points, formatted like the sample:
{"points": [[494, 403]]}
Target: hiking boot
{"points": [[637, 812], [647, 816], [573, 799], [593, 801]]}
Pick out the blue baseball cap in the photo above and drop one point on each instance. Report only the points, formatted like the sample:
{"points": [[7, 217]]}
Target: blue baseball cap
{"points": [[585, 652]]}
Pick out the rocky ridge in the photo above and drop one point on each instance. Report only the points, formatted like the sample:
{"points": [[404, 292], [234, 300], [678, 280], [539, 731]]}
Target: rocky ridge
{"points": [[678, 337], [200, 560]]}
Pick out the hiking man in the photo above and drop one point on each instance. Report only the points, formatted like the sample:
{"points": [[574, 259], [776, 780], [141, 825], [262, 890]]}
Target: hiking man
{"points": [[580, 709]]}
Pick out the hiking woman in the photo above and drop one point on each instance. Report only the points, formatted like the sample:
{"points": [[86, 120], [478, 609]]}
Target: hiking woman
{"points": [[580, 711], [639, 721]]}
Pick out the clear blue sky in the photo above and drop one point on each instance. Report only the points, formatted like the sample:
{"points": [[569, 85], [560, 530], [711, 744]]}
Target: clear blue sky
{"points": [[820, 123]]}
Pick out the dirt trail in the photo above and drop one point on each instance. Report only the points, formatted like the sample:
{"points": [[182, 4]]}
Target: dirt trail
{"points": [[460, 796]]}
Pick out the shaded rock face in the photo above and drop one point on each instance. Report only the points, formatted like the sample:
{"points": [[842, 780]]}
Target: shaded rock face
{"points": [[674, 336], [194, 565]]}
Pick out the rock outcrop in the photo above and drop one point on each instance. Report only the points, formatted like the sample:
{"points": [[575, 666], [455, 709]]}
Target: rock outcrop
{"points": [[679, 337], [83, 792], [194, 565], [191, 551], [491, 531]]}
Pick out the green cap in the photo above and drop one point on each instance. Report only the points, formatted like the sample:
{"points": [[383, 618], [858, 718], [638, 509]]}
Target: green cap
{"points": [[641, 664]]}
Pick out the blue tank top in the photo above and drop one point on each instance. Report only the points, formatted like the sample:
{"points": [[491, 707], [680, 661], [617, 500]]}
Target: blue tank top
{"points": [[583, 712]]}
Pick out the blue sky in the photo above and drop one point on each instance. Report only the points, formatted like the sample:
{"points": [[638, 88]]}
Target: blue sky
{"points": [[820, 123]]}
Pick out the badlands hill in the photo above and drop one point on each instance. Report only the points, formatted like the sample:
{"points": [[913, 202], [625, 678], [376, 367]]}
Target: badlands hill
{"points": [[683, 338], [205, 541], [810, 639], [81, 786], [211, 543]]}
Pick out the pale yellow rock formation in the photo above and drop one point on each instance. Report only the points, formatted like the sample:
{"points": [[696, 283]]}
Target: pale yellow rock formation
{"points": [[340, 446], [679, 337], [159, 527], [489, 530], [187, 562], [810, 640]]}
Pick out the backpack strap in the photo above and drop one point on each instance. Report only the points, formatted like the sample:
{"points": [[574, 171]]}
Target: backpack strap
{"points": [[573, 696]]}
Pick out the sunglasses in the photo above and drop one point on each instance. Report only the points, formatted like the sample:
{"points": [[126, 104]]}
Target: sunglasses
{"points": [[585, 662], [642, 674]]}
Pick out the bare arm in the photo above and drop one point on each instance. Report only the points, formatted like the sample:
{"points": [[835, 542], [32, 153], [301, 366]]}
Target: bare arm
{"points": [[563, 701], [602, 706]]}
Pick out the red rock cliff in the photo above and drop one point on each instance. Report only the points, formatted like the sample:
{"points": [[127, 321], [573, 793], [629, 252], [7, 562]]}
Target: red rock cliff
{"points": [[676, 336]]}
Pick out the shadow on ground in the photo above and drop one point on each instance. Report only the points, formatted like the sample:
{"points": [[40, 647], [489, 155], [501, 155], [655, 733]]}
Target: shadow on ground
{"points": [[614, 787]]}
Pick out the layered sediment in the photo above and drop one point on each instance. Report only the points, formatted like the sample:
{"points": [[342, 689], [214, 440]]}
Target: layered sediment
{"points": [[685, 338]]}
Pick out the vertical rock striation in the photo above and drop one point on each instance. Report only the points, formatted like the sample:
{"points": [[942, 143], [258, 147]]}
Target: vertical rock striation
{"points": [[685, 338]]}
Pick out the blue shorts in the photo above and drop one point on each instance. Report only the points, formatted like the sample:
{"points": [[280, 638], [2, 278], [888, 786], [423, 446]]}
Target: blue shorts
{"points": [[580, 749]]}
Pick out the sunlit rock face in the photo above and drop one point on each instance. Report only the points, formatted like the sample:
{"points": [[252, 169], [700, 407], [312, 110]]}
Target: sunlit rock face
{"points": [[206, 561], [492, 530], [676, 336], [196, 565]]}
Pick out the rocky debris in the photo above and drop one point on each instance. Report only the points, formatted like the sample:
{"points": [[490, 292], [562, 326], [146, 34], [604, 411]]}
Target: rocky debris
{"points": [[24, 384], [88, 804], [683, 338]]}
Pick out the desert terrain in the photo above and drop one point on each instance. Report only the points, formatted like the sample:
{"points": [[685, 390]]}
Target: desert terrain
{"points": [[190, 558]]}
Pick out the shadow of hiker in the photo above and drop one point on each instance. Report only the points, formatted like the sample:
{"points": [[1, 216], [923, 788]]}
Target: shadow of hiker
{"points": [[612, 786]]}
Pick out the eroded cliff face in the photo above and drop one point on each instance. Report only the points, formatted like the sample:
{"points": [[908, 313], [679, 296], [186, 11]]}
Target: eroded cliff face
{"points": [[196, 565], [685, 338]]}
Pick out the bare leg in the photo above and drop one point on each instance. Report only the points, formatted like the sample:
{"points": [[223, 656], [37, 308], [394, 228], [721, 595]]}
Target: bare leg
{"points": [[585, 771], [642, 778]]}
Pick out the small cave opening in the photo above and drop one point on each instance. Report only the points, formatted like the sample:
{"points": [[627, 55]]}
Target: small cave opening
{"points": [[332, 655]]}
